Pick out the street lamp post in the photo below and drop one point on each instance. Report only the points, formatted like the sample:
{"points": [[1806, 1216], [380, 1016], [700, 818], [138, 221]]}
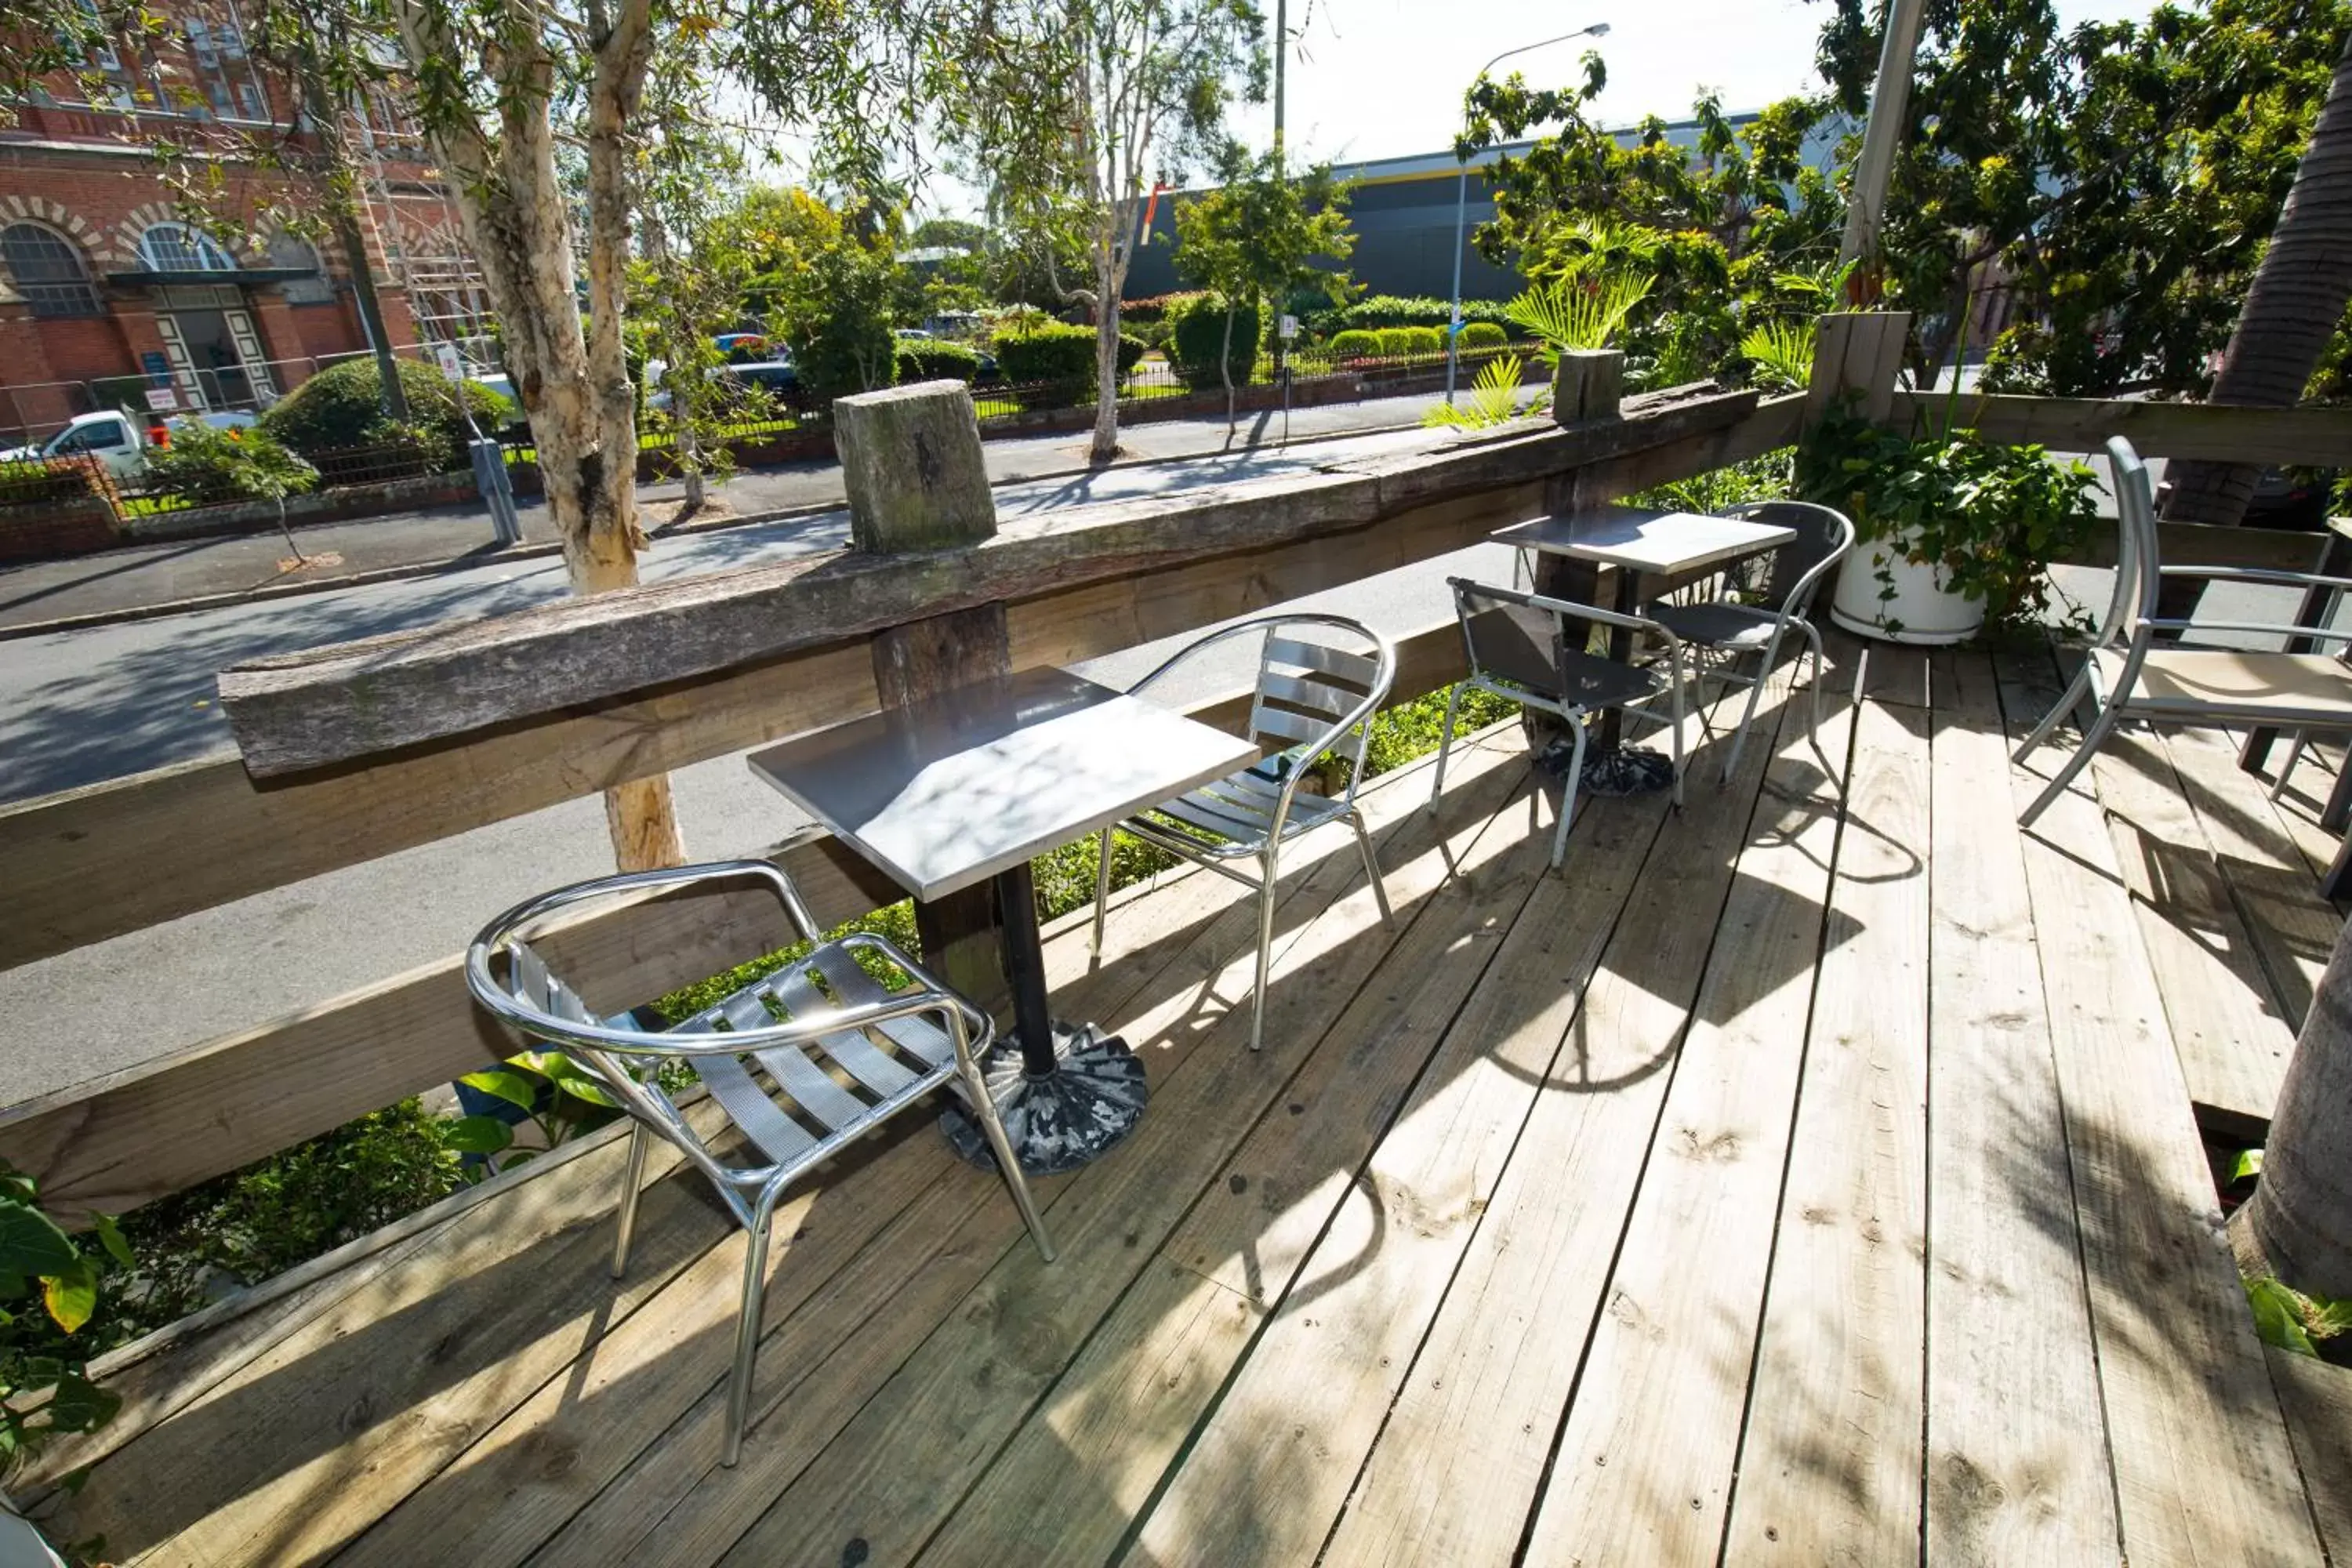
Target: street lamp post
{"points": [[1462, 201]]}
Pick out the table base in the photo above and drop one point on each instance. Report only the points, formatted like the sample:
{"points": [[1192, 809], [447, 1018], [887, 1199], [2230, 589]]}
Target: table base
{"points": [[1624, 769], [1060, 1120]]}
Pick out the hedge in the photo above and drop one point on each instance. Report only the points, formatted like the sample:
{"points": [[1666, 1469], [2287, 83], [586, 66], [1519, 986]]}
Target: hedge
{"points": [[1198, 341], [1406, 311], [924, 359], [1356, 343], [1154, 307], [1483, 335], [1402, 343], [343, 406], [1057, 354]]}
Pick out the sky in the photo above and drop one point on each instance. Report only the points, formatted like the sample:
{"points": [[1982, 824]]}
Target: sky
{"points": [[1381, 78]]}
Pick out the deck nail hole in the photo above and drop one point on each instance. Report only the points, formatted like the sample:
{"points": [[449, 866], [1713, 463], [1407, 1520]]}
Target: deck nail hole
{"points": [[1297, 1109], [1237, 1183], [856, 1552]]}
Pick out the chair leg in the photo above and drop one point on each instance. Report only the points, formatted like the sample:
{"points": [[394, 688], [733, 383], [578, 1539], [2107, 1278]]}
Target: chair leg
{"points": [[2287, 768], [993, 1125], [1371, 866], [1102, 899], [1813, 706], [2100, 729], [2058, 710], [632, 1178], [1444, 742], [1567, 793], [1747, 716], [747, 1324], [1265, 897]]}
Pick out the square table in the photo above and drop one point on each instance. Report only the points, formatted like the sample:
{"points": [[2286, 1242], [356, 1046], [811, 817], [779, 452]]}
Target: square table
{"points": [[1638, 542], [969, 787]]}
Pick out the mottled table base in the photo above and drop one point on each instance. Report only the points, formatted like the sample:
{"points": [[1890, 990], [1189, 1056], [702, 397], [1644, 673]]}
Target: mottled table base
{"points": [[1057, 1121], [1625, 771]]}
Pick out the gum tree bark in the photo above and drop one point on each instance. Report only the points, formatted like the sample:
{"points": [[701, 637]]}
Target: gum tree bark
{"points": [[574, 384], [2298, 1224], [2295, 305]]}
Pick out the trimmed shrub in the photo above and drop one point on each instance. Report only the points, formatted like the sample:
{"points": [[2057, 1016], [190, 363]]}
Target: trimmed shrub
{"points": [[1155, 307], [927, 359], [208, 467], [1403, 343], [1407, 311], [1483, 335], [343, 406], [46, 481], [1198, 341], [1058, 356], [1356, 343]]}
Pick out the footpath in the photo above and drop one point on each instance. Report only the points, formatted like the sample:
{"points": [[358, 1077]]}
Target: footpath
{"points": [[144, 580]]}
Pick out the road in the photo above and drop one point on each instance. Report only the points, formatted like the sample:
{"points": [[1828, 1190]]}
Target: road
{"points": [[82, 707]]}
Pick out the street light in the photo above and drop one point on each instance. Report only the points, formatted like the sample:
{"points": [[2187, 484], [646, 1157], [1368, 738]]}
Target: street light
{"points": [[1461, 201]]}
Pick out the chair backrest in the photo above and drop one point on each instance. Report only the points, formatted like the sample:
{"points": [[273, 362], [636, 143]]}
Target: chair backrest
{"points": [[1785, 579], [2137, 562], [1507, 639], [1307, 682]]}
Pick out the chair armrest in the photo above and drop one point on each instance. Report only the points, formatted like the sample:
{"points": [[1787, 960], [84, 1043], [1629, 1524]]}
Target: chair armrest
{"points": [[2267, 628], [2277, 575]]}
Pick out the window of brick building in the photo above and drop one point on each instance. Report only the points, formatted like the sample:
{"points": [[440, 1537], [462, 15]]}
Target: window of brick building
{"points": [[176, 248], [47, 272]]}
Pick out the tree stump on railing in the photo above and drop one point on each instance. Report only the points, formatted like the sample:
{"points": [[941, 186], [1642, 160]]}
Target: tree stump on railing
{"points": [[917, 481]]}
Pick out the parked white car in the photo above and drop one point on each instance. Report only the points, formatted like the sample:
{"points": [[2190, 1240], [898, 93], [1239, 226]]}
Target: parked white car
{"points": [[116, 440]]}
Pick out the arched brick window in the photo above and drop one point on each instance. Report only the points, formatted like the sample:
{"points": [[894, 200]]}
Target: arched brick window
{"points": [[177, 248], [47, 271]]}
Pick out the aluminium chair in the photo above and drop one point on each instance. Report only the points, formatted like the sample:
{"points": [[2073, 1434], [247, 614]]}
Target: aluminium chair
{"points": [[2128, 675], [1767, 597], [1521, 646], [1312, 697], [802, 1062]]}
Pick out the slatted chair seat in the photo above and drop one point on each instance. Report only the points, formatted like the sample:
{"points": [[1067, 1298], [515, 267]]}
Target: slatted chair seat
{"points": [[1311, 698], [2269, 688], [1719, 624], [802, 1061]]}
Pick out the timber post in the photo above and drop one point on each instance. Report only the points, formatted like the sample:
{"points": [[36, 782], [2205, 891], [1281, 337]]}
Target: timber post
{"points": [[912, 460]]}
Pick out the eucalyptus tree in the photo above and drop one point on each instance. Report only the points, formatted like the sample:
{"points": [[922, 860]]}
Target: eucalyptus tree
{"points": [[1074, 109]]}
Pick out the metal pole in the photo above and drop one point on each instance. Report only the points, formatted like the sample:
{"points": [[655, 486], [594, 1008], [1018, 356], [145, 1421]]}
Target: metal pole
{"points": [[1883, 133], [1281, 51], [1462, 201]]}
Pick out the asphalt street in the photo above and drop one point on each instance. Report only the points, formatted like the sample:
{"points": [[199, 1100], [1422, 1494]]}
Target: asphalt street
{"points": [[82, 707]]}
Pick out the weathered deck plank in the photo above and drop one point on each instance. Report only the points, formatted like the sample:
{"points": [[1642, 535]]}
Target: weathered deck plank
{"points": [[2317, 1400], [1828, 1469], [2017, 1456], [2203, 1472]]}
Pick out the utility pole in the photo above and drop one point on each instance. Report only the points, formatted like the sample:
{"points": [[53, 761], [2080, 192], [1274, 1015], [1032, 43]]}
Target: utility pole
{"points": [[1866, 211], [1281, 53]]}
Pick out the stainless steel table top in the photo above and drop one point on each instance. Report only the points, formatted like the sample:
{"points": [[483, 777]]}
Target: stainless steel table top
{"points": [[952, 791], [1662, 544]]}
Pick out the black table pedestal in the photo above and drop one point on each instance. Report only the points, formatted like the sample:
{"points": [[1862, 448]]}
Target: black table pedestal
{"points": [[1065, 1092]]}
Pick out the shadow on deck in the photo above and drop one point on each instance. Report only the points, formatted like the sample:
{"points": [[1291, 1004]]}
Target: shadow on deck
{"points": [[1806, 1175]]}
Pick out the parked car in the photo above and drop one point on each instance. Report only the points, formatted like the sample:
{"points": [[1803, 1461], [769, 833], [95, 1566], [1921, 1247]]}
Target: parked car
{"points": [[119, 441], [776, 376]]}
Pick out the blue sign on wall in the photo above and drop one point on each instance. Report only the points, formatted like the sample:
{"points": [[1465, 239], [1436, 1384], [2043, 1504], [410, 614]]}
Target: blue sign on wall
{"points": [[158, 368]]}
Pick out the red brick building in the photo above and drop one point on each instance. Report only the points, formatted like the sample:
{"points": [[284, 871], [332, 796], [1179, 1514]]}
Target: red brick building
{"points": [[113, 294]]}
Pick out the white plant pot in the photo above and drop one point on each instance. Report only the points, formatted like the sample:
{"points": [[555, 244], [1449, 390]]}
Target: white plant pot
{"points": [[1922, 610], [21, 1545]]}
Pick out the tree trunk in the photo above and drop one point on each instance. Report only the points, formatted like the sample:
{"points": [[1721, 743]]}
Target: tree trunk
{"points": [[582, 411], [2297, 301], [2298, 1224], [1106, 441]]}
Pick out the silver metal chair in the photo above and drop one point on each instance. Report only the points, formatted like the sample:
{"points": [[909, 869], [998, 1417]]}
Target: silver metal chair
{"points": [[2127, 675], [1521, 646], [839, 1055], [1762, 600], [1310, 698]]}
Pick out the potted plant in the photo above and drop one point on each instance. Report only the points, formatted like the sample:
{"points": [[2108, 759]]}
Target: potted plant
{"points": [[1951, 532]]}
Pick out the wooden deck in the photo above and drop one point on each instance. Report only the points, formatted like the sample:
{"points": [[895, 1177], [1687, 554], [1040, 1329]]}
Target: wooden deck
{"points": [[1801, 1177]]}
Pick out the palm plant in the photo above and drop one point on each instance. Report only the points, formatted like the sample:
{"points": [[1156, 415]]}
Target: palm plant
{"points": [[1782, 354], [1494, 399], [1581, 312]]}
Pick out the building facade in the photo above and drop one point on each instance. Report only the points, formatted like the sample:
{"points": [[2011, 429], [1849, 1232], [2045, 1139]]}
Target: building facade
{"points": [[1413, 216], [115, 293]]}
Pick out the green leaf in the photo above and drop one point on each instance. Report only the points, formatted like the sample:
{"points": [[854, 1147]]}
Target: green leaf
{"points": [[511, 1087], [2248, 1163], [581, 1087], [2278, 1317], [109, 1235], [477, 1134], [81, 1405], [71, 1294], [31, 1243]]}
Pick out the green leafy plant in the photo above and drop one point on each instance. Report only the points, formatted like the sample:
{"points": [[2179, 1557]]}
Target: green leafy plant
{"points": [[1482, 335], [209, 466], [1989, 518], [1581, 312], [936, 360], [1780, 355], [343, 406], [49, 1290], [1057, 355], [1494, 399], [2292, 1320], [556, 1095], [1197, 340], [1356, 343]]}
